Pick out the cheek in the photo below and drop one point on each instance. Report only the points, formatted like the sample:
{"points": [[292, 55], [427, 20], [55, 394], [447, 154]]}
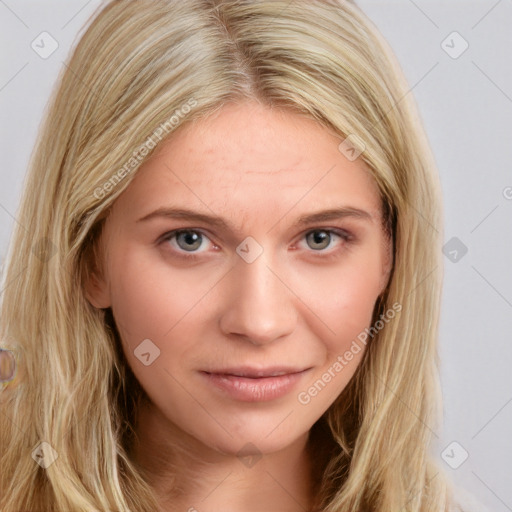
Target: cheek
{"points": [[342, 297], [159, 313], [351, 308], [150, 299], [344, 302], [153, 304]]}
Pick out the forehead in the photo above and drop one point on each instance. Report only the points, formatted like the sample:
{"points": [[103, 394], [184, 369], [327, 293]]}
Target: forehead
{"points": [[248, 158]]}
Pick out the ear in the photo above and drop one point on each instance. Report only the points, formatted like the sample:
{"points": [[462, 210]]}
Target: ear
{"points": [[97, 291], [96, 287]]}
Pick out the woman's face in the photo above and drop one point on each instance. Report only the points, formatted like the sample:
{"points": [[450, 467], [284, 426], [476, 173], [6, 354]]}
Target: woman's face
{"points": [[236, 327]]}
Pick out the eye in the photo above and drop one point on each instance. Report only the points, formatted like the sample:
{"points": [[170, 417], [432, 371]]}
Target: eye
{"points": [[187, 240], [320, 239]]}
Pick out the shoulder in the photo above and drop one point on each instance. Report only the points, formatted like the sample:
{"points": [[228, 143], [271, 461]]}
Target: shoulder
{"points": [[464, 501]]}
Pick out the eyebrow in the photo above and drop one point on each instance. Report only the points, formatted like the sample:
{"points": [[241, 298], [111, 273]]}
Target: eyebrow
{"points": [[220, 223]]}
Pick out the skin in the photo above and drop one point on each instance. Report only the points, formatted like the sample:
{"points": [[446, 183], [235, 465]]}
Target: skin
{"points": [[300, 303]]}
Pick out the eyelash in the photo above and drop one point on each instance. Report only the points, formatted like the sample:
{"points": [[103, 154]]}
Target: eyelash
{"points": [[191, 256]]}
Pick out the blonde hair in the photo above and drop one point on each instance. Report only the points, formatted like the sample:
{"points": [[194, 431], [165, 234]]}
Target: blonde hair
{"points": [[137, 64]]}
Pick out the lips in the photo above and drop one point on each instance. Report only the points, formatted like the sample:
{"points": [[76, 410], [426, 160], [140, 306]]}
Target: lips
{"points": [[254, 384], [254, 373]]}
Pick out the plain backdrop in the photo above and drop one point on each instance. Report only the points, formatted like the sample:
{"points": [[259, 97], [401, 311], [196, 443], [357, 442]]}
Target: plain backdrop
{"points": [[456, 56]]}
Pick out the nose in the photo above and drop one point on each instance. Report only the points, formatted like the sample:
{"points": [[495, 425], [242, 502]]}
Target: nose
{"points": [[260, 306]]}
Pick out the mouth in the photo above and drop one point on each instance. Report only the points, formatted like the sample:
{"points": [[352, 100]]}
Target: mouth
{"points": [[256, 373], [253, 384]]}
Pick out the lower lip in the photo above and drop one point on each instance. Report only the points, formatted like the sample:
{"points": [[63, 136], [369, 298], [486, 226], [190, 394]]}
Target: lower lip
{"points": [[255, 390]]}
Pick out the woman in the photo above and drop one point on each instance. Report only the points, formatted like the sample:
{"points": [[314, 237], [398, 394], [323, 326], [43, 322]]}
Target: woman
{"points": [[229, 297]]}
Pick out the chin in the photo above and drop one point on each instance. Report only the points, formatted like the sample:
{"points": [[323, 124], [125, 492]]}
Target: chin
{"points": [[254, 441]]}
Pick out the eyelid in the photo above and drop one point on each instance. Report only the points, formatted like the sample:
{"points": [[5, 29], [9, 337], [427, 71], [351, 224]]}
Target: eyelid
{"points": [[171, 234], [344, 235]]}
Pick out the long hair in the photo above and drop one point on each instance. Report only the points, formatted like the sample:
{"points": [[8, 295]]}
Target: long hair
{"points": [[140, 70]]}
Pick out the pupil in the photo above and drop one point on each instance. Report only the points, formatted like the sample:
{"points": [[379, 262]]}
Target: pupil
{"points": [[320, 237], [191, 239]]}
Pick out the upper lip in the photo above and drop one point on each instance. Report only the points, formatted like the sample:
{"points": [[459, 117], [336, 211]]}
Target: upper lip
{"points": [[254, 373]]}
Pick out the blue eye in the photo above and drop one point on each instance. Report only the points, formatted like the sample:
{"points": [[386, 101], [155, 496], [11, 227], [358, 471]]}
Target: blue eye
{"points": [[187, 242], [320, 239], [186, 239]]}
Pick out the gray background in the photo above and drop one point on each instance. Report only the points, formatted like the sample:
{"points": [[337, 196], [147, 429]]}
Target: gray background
{"points": [[466, 105]]}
